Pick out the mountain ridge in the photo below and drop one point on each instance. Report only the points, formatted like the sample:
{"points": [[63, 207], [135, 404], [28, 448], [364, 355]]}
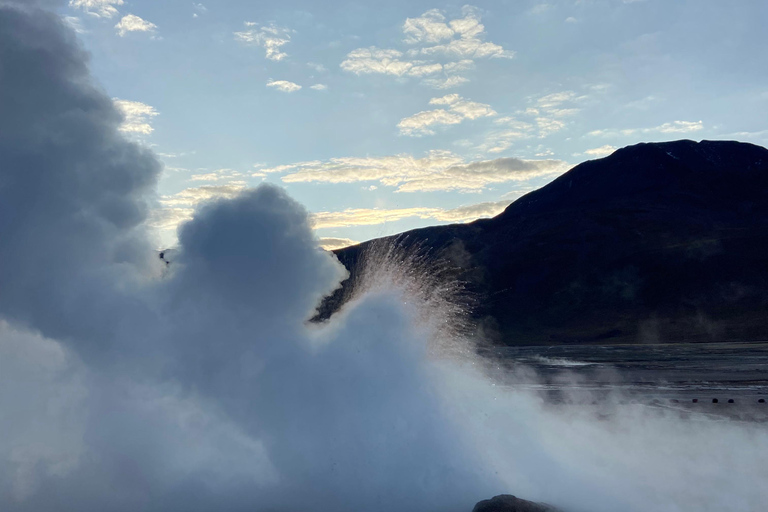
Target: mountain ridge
{"points": [[658, 242]]}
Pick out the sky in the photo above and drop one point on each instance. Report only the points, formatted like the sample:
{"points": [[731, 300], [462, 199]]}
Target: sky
{"points": [[382, 117]]}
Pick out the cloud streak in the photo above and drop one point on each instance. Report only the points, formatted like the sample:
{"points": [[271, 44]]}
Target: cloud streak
{"points": [[458, 110], [439, 170], [374, 216], [98, 8]]}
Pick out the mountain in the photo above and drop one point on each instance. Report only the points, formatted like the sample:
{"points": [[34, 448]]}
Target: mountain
{"points": [[658, 242]]}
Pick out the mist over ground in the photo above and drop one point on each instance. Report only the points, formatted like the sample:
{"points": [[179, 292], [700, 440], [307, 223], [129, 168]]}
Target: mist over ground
{"points": [[128, 385]]}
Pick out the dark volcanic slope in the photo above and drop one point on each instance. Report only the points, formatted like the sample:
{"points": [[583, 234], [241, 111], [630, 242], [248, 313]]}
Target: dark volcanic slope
{"points": [[657, 242]]}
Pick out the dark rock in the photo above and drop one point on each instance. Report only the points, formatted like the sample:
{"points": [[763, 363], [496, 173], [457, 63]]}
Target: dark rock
{"points": [[659, 242], [509, 503]]}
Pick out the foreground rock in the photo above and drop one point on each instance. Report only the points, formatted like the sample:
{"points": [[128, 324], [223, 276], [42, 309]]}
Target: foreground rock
{"points": [[509, 503]]}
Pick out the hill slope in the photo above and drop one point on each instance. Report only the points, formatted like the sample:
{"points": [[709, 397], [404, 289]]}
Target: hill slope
{"points": [[658, 242]]}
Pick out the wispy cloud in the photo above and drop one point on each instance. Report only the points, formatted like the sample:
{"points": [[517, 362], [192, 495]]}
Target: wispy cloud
{"points": [[199, 9], [547, 115], [601, 151], [217, 175], [99, 8], [133, 23], [373, 216], [667, 128], [438, 171], [283, 85], [75, 24], [137, 116], [439, 47], [319, 87], [180, 207], [458, 109], [333, 243], [270, 37]]}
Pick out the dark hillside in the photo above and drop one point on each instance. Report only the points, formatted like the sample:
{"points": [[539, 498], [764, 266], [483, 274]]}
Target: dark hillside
{"points": [[659, 242]]}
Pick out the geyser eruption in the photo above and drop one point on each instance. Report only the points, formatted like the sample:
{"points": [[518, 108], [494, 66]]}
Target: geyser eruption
{"points": [[123, 387]]}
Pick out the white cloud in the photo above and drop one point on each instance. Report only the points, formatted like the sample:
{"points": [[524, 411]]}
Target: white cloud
{"points": [[137, 116], [283, 85], [288, 167], [548, 116], [430, 27], [680, 127], [421, 123], [435, 40], [547, 126], [671, 127], [445, 83], [217, 175], [459, 110], [464, 35], [375, 60], [439, 170], [100, 8], [180, 207], [373, 216], [132, 23], [270, 37], [601, 151], [191, 197], [319, 87], [556, 99], [473, 211], [333, 243]]}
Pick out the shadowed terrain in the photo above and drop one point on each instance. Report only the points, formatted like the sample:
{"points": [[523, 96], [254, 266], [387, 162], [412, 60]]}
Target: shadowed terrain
{"points": [[659, 242]]}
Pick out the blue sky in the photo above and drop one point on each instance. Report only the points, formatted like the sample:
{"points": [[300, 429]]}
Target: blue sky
{"points": [[381, 117]]}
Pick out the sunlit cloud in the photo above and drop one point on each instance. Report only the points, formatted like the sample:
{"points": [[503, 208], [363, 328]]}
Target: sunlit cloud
{"points": [[439, 170], [458, 109], [667, 128], [217, 175], [283, 85], [180, 207], [333, 243], [375, 60], [463, 35], [137, 116], [438, 47], [373, 216], [601, 151], [270, 37], [133, 23]]}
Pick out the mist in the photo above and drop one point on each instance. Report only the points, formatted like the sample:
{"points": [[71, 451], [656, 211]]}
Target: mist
{"points": [[126, 384]]}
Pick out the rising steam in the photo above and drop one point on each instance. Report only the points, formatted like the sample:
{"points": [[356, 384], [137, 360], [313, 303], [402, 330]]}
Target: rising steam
{"points": [[201, 387]]}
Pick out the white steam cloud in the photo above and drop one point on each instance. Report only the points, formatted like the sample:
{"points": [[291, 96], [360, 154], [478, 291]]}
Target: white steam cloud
{"points": [[126, 385]]}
